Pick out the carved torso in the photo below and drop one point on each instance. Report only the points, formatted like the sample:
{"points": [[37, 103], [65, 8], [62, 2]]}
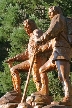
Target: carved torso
{"points": [[31, 46], [58, 35]]}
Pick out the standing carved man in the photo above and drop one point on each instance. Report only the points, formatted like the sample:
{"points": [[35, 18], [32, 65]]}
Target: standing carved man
{"points": [[40, 58], [57, 33]]}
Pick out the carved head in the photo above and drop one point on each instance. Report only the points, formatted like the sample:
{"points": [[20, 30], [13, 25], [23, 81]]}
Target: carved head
{"points": [[29, 26], [54, 10]]}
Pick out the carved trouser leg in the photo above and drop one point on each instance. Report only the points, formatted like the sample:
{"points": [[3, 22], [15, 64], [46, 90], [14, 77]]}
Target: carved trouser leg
{"points": [[44, 84], [16, 80], [44, 81], [63, 72], [23, 66], [48, 66], [44, 88], [63, 67], [38, 62], [15, 74], [36, 76]]}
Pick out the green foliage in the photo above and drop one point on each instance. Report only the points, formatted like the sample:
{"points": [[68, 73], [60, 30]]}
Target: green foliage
{"points": [[55, 86], [19, 40], [66, 6], [31, 87], [71, 77], [5, 81]]}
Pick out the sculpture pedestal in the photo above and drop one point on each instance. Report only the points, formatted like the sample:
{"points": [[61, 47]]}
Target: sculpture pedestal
{"points": [[39, 100], [13, 99], [9, 105], [56, 106], [10, 100]]}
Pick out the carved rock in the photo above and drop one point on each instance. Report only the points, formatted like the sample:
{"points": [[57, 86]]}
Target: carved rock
{"points": [[13, 99], [10, 100], [57, 106], [10, 97], [38, 101], [9, 105], [24, 105], [66, 101]]}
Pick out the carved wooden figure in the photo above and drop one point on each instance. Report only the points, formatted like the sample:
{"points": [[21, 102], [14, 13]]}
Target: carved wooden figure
{"points": [[57, 34], [40, 58]]}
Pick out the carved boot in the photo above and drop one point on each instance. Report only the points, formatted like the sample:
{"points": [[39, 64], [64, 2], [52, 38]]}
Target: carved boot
{"points": [[16, 80], [67, 100], [44, 89]]}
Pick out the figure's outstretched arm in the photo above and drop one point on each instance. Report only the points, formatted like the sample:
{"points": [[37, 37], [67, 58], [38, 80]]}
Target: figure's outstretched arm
{"points": [[54, 29], [19, 57]]}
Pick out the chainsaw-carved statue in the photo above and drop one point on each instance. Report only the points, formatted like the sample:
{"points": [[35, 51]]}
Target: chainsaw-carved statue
{"points": [[40, 58], [57, 34]]}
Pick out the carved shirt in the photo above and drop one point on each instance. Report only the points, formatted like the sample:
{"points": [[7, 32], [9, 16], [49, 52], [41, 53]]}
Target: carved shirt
{"points": [[57, 33], [31, 46]]}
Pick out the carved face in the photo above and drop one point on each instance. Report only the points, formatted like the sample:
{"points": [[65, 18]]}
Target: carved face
{"points": [[51, 13], [27, 27]]}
